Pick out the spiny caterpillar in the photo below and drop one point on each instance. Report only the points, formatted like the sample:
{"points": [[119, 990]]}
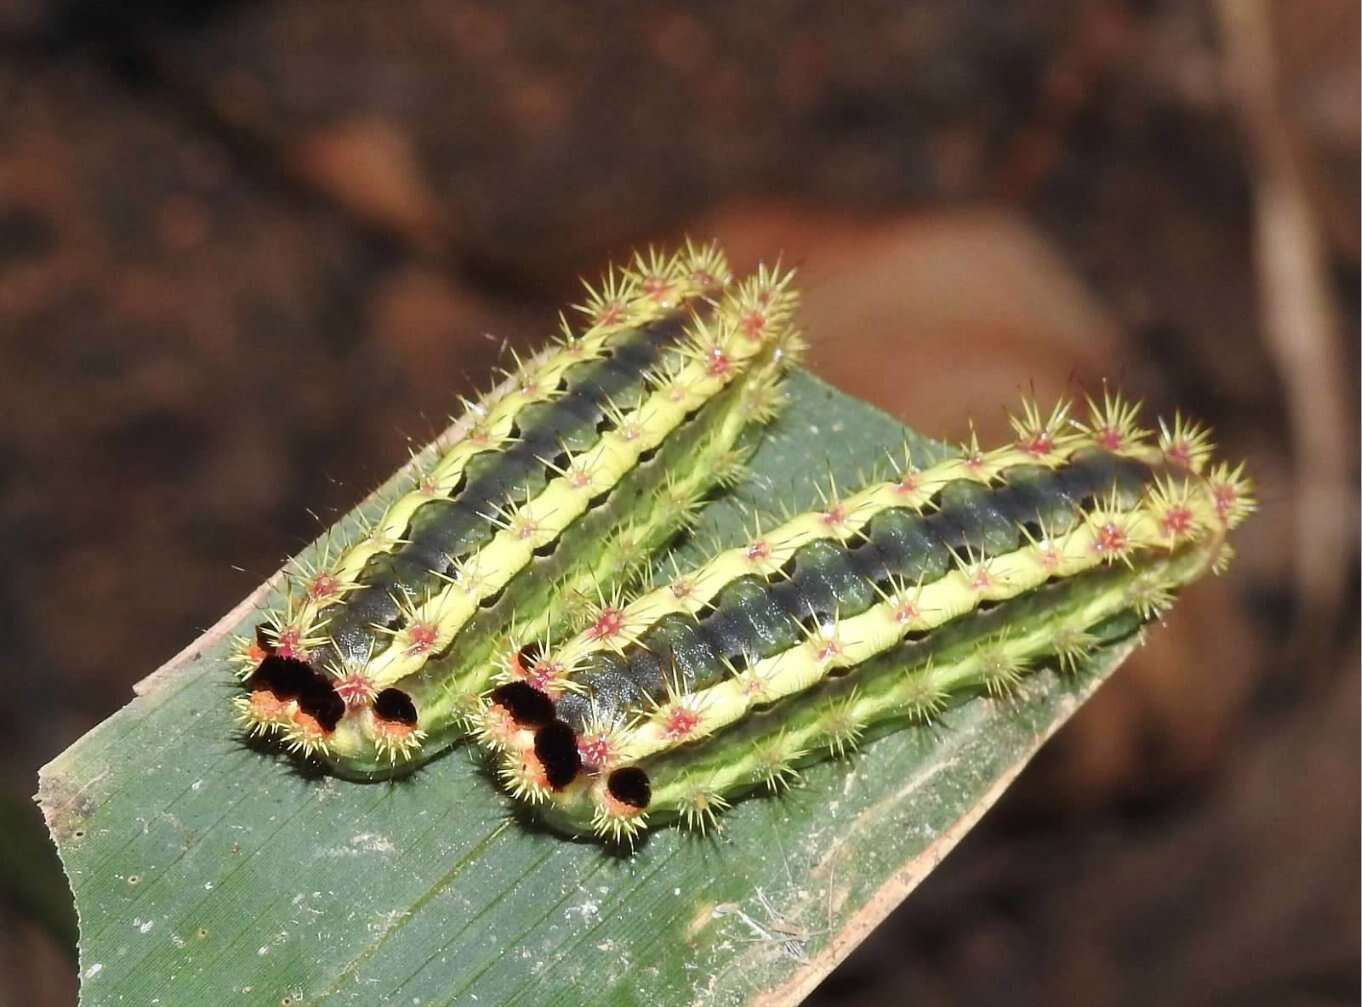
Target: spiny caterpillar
{"points": [[569, 477], [867, 615]]}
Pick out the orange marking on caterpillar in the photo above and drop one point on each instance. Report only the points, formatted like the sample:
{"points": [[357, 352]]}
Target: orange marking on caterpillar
{"points": [[421, 637], [1049, 556], [1177, 521], [289, 643], [1040, 445], [545, 676], [906, 611], [499, 728], [322, 586], [657, 287], [596, 751], [1179, 453], [717, 363], [265, 705], [1111, 540], [680, 723], [395, 730], [609, 623], [829, 648], [355, 691], [1109, 438], [310, 726]]}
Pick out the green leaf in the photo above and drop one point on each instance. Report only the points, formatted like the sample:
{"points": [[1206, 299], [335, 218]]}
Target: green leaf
{"points": [[206, 871]]}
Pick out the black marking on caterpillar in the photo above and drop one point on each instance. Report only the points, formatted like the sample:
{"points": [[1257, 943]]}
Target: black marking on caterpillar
{"points": [[573, 472], [985, 563]]}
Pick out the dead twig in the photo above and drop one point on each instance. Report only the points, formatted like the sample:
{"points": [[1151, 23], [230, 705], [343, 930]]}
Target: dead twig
{"points": [[1300, 323]]}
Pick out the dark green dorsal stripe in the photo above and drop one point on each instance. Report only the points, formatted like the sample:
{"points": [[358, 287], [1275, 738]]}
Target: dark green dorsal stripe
{"points": [[753, 618], [444, 531]]}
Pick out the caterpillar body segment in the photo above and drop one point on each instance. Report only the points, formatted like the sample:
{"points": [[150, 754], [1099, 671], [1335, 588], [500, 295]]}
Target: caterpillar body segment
{"points": [[608, 547], [608, 438], [908, 686], [612, 726]]}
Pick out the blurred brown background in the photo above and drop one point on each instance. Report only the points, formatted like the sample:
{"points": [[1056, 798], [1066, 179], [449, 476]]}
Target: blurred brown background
{"points": [[249, 250]]}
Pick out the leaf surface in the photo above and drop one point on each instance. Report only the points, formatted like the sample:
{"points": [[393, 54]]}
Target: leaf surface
{"points": [[206, 871]]}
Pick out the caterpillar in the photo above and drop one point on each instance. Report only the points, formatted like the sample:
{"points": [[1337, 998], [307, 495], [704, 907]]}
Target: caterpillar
{"points": [[867, 615], [566, 479]]}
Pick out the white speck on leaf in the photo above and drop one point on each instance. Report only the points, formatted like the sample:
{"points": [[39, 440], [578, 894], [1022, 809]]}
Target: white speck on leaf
{"points": [[386, 921], [372, 842], [589, 909]]}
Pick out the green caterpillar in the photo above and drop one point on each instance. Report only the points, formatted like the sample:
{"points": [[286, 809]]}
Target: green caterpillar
{"points": [[567, 478], [868, 615]]}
